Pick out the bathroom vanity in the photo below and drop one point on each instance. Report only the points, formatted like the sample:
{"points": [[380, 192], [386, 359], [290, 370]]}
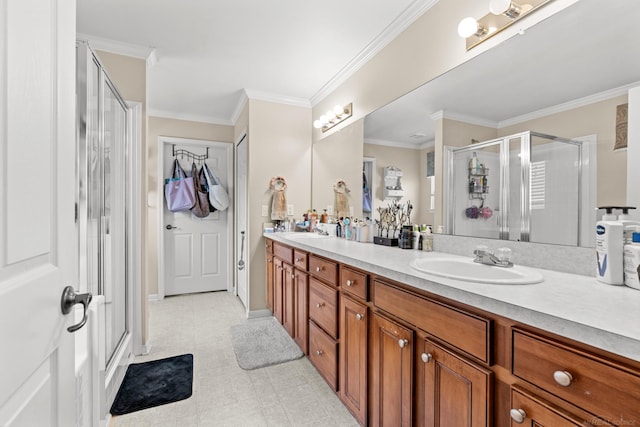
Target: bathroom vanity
{"points": [[402, 347]]}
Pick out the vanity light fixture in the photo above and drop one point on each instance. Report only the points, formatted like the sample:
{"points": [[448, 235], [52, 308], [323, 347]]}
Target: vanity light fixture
{"points": [[503, 14], [333, 117]]}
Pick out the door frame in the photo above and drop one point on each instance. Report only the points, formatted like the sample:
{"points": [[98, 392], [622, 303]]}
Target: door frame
{"points": [[236, 227], [169, 140]]}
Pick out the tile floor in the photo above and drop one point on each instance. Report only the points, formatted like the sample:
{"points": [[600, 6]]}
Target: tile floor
{"points": [[289, 394]]}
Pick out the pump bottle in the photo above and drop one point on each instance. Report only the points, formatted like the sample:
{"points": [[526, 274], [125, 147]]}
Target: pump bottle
{"points": [[609, 248]]}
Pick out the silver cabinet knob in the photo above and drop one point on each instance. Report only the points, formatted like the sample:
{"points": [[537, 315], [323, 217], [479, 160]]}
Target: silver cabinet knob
{"points": [[563, 378], [318, 269], [350, 283], [359, 316], [426, 357], [319, 352], [518, 415], [402, 342], [320, 305], [269, 260], [293, 276], [279, 267], [298, 259]]}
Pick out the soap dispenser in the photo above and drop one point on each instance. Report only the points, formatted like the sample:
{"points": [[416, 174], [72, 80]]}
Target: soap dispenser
{"points": [[609, 248], [628, 224]]}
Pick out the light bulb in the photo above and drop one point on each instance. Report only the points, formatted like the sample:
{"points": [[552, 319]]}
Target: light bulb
{"points": [[317, 124], [331, 115], [498, 7], [467, 27], [323, 120], [338, 110]]}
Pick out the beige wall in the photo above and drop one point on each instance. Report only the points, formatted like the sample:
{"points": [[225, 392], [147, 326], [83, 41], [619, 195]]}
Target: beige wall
{"points": [[599, 119], [160, 126], [279, 144], [408, 160], [333, 160]]}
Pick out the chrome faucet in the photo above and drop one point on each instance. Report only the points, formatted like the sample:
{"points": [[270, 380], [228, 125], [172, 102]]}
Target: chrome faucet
{"points": [[486, 257], [320, 231]]}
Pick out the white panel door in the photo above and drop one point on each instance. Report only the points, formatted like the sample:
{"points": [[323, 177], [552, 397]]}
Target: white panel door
{"points": [[37, 231], [196, 249], [242, 238]]}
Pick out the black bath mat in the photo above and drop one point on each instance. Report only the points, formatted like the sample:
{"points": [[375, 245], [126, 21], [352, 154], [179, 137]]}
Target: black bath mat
{"points": [[154, 383]]}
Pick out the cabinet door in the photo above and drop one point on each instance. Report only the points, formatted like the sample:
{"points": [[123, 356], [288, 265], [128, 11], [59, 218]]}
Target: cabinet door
{"points": [[353, 357], [450, 390], [301, 314], [391, 374], [270, 281], [288, 298], [277, 288]]}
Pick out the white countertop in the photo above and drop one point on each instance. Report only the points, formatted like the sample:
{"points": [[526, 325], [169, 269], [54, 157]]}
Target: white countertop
{"points": [[573, 306]]}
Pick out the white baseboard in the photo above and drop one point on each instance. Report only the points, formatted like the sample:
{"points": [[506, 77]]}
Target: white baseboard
{"points": [[153, 297], [253, 314]]}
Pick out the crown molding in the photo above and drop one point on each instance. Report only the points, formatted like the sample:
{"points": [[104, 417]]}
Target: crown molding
{"points": [[121, 48], [244, 98], [415, 10], [576, 103], [153, 112], [459, 117], [396, 144], [276, 98]]}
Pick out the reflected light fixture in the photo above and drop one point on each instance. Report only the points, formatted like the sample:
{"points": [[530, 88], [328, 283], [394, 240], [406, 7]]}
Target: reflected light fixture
{"points": [[333, 117], [502, 14]]}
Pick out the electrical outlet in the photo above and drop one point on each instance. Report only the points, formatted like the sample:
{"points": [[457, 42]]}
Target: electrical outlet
{"points": [[330, 210], [290, 210], [265, 210]]}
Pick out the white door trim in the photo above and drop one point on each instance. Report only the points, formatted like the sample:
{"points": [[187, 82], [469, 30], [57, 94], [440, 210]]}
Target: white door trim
{"points": [[247, 236], [165, 140]]}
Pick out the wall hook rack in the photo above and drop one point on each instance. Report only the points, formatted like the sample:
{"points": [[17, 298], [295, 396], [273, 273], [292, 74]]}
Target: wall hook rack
{"points": [[189, 155]]}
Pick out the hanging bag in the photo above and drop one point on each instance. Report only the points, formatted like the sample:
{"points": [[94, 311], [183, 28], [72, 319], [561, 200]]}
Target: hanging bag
{"points": [[204, 184], [217, 194], [201, 207], [179, 190]]}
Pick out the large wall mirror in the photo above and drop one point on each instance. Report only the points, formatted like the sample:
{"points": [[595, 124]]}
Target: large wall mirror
{"points": [[565, 77]]}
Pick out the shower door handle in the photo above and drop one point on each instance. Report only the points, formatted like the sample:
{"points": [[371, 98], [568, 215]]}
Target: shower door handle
{"points": [[71, 298]]}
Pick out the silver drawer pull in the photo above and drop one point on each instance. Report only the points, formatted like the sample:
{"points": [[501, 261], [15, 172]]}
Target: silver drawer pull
{"points": [[319, 352], [403, 343], [359, 316], [320, 305], [319, 269], [350, 283], [426, 357], [563, 378], [518, 415], [298, 259]]}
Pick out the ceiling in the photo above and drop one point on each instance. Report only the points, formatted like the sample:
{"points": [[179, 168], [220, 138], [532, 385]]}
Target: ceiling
{"points": [[210, 52], [584, 50]]}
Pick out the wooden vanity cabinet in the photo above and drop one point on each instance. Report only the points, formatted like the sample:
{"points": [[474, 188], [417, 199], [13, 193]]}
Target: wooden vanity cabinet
{"points": [[450, 390], [288, 298], [301, 310], [354, 328], [390, 373]]}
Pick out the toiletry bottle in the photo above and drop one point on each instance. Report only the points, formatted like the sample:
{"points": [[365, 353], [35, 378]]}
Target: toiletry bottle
{"points": [[632, 261], [474, 163], [416, 237], [427, 240], [609, 248], [323, 217], [628, 224]]}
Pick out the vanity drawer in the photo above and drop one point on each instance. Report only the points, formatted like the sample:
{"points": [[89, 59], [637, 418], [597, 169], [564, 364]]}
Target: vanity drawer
{"points": [[283, 252], [323, 354], [269, 246], [354, 282], [323, 306], [323, 269], [300, 259], [467, 332], [606, 389]]}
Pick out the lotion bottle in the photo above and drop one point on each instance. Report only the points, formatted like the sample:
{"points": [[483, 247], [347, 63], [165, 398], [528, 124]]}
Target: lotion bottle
{"points": [[609, 248]]}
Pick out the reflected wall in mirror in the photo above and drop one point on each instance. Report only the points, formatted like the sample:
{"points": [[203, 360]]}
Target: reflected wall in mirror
{"points": [[554, 79]]}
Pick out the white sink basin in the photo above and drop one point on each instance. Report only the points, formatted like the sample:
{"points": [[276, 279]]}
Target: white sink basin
{"points": [[467, 270], [305, 236]]}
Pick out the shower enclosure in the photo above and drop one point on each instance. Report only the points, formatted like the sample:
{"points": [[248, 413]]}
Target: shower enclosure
{"points": [[512, 191], [103, 123]]}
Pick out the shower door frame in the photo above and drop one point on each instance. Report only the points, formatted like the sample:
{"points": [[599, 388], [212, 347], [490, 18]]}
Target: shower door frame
{"points": [[525, 178]]}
